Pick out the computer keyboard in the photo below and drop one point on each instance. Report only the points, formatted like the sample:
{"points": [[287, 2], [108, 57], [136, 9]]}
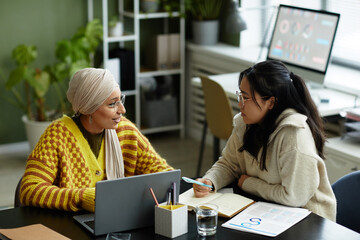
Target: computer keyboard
{"points": [[90, 223]]}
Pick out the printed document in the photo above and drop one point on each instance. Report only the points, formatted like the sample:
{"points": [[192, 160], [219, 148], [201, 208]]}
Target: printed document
{"points": [[266, 218]]}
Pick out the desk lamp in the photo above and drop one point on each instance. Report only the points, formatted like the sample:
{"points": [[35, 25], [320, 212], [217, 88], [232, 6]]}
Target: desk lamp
{"points": [[234, 22]]}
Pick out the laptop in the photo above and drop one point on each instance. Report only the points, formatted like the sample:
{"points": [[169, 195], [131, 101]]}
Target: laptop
{"points": [[125, 204]]}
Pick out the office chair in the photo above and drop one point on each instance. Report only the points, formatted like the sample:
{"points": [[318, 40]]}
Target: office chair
{"points": [[347, 192], [17, 202], [218, 119]]}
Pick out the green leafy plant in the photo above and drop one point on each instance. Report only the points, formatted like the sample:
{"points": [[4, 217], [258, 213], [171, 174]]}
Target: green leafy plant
{"points": [[203, 10], [36, 82], [72, 55], [170, 6]]}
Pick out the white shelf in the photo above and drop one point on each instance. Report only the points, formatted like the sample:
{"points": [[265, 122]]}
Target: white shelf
{"points": [[160, 73], [130, 92], [135, 16], [151, 15], [125, 37]]}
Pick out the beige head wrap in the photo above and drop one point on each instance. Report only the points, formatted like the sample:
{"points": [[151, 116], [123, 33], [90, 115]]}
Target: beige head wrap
{"points": [[88, 90]]}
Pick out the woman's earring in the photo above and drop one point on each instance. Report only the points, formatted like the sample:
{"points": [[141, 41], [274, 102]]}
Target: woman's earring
{"points": [[90, 119]]}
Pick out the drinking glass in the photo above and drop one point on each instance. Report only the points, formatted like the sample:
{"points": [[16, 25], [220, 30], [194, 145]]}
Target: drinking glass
{"points": [[206, 219]]}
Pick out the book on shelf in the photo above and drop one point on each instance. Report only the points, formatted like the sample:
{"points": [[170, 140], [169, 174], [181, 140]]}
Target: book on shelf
{"points": [[163, 52], [229, 204], [353, 114]]}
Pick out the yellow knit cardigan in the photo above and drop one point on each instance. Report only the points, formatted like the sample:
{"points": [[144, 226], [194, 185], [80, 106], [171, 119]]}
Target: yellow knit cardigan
{"points": [[61, 171]]}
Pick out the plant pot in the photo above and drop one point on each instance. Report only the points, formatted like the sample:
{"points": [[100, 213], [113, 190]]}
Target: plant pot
{"points": [[149, 6], [205, 32], [117, 30], [34, 130]]}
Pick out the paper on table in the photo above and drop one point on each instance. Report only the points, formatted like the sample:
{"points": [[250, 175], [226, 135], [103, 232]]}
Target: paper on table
{"points": [[32, 232], [266, 219]]}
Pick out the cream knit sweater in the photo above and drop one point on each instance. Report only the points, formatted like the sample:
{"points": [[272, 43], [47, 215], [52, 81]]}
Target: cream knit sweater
{"points": [[296, 175]]}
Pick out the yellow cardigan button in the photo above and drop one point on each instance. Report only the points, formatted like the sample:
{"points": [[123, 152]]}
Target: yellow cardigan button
{"points": [[98, 173]]}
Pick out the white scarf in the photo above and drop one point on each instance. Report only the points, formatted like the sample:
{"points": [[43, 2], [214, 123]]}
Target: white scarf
{"points": [[88, 90], [113, 155]]}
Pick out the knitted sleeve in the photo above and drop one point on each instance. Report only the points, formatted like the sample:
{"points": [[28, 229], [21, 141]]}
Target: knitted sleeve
{"points": [[56, 175], [139, 156]]}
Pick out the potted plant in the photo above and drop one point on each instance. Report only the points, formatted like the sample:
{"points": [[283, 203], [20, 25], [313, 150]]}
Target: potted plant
{"points": [[171, 6], [205, 24], [149, 6], [115, 27], [73, 54], [36, 83]]}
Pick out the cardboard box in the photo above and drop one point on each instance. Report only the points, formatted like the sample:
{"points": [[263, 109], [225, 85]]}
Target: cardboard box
{"points": [[158, 52], [113, 65], [171, 223], [164, 52], [174, 50]]}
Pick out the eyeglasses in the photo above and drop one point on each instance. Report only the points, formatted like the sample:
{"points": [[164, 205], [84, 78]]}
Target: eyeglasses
{"points": [[241, 99], [116, 104]]}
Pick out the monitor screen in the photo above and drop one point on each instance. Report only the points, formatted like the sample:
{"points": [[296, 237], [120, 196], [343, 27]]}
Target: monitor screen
{"points": [[302, 39]]}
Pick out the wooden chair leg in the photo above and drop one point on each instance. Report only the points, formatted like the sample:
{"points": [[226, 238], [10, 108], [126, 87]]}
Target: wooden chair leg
{"points": [[201, 149]]}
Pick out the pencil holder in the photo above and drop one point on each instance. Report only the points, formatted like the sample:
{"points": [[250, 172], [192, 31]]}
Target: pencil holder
{"points": [[171, 221]]}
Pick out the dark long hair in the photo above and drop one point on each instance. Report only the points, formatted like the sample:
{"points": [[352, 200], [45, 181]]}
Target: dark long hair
{"points": [[272, 78]]}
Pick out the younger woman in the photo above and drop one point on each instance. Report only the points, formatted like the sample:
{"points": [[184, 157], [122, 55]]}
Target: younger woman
{"points": [[276, 148]]}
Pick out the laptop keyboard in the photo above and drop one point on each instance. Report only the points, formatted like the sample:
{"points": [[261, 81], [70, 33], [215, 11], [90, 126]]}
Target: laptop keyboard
{"points": [[91, 224]]}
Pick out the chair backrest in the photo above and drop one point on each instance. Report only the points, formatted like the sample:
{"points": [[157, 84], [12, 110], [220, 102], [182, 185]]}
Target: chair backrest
{"points": [[347, 192], [219, 113], [17, 202]]}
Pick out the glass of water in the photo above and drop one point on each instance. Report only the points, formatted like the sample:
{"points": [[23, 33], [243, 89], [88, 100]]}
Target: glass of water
{"points": [[206, 219]]}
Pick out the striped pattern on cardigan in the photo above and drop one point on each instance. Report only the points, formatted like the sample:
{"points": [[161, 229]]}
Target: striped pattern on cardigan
{"points": [[61, 171]]}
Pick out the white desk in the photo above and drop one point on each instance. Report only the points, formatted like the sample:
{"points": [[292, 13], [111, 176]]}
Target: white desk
{"points": [[338, 101], [343, 157]]}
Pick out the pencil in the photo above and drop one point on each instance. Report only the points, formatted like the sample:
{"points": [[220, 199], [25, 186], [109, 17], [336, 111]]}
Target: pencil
{"points": [[154, 197]]}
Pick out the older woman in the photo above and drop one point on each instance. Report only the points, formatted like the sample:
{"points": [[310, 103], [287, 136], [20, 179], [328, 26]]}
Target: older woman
{"points": [[97, 143]]}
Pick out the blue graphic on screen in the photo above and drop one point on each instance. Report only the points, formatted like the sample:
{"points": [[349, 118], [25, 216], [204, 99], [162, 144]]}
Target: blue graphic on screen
{"points": [[303, 37]]}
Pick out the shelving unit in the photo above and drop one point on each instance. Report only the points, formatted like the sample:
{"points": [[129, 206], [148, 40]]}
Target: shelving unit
{"points": [[352, 124], [133, 20]]}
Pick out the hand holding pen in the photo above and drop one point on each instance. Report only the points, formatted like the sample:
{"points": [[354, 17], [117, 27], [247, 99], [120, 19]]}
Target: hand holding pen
{"points": [[201, 186], [201, 190]]}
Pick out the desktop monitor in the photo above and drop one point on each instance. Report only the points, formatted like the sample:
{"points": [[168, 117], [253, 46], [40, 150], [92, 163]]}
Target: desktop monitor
{"points": [[303, 39]]}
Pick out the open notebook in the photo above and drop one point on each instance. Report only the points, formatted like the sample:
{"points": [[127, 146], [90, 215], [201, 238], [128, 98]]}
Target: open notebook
{"points": [[229, 203]]}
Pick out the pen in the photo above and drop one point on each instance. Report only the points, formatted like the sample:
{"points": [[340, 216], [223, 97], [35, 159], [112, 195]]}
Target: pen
{"points": [[154, 197], [173, 194], [189, 180], [168, 198]]}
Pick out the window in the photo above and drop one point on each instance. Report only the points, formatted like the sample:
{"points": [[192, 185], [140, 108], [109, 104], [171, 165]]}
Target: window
{"points": [[260, 17], [347, 47]]}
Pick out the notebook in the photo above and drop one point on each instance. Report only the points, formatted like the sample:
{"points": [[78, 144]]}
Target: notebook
{"points": [[125, 204]]}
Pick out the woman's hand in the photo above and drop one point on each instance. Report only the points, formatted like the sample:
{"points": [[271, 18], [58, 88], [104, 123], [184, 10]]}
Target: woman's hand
{"points": [[241, 180], [201, 191]]}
